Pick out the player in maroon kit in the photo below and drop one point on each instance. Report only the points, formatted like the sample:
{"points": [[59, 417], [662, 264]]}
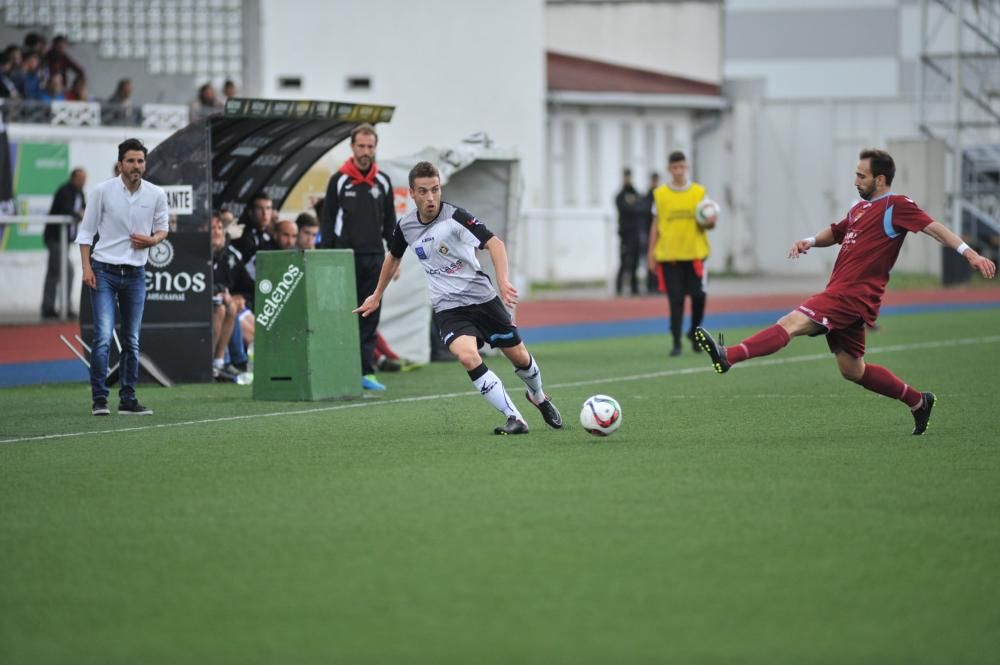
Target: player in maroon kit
{"points": [[870, 238]]}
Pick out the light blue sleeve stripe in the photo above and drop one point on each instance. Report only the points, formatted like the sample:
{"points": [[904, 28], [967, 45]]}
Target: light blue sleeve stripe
{"points": [[887, 223]]}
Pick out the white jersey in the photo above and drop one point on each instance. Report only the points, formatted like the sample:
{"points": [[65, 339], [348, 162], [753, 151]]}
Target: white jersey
{"points": [[446, 247]]}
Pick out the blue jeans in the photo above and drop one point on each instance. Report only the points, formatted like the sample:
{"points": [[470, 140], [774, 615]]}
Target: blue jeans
{"points": [[235, 353], [124, 288]]}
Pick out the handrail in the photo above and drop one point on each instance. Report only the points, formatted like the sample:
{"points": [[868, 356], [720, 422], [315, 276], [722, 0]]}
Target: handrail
{"points": [[64, 221], [34, 219]]}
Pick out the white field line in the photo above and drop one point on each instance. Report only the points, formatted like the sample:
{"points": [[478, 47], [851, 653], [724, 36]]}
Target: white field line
{"points": [[766, 362]]}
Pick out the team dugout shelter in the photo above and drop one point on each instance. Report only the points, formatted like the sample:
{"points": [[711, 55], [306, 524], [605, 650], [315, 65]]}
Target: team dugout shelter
{"points": [[222, 161]]}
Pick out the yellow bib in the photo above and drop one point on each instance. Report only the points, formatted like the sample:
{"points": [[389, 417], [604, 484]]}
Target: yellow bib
{"points": [[680, 237]]}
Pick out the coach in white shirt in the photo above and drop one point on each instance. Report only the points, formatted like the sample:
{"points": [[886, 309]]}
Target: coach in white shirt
{"points": [[126, 215]]}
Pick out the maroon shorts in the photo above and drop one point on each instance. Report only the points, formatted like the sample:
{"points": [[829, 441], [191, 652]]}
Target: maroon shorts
{"points": [[843, 319]]}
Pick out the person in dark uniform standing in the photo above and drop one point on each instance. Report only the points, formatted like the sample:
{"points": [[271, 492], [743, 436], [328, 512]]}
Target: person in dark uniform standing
{"points": [[631, 219], [359, 214], [68, 200], [652, 282]]}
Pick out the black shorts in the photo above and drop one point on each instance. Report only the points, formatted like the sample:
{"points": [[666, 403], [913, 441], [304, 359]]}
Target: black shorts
{"points": [[488, 322]]}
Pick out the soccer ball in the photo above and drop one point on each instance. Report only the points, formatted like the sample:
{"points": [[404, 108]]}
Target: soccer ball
{"points": [[601, 415], [706, 213]]}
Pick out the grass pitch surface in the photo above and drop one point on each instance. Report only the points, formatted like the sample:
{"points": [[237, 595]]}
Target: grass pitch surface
{"points": [[777, 514]]}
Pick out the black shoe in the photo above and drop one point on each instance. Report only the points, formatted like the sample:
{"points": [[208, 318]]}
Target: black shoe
{"points": [[388, 365], [550, 414], [676, 351], [694, 342], [133, 408], [922, 416], [100, 407], [512, 426], [714, 349]]}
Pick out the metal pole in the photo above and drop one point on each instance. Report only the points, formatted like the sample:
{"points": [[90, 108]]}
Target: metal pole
{"points": [[956, 113], [63, 257], [922, 73], [75, 352]]}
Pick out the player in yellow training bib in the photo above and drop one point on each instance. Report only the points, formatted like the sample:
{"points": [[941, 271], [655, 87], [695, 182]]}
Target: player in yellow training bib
{"points": [[678, 247]]}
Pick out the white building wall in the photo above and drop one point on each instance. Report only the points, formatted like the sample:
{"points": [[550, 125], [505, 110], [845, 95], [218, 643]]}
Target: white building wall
{"points": [[786, 168], [451, 67], [573, 237], [680, 38], [811, 83]]}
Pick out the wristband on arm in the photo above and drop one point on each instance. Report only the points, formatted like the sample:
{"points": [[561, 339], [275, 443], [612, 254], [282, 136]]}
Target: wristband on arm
{"points": [[811, 240], [961, 249]]}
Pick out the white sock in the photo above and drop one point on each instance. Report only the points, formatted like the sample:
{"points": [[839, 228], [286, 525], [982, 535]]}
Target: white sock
{"points": [[532, 377], [218, 363], [491, 387]]}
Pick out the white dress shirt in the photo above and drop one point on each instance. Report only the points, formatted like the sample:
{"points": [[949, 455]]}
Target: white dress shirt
{"points": [[113, 213]]}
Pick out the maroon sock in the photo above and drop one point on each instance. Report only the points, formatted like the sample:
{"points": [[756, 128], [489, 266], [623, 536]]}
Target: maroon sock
{"points": [[764, 343], [880, 380]]}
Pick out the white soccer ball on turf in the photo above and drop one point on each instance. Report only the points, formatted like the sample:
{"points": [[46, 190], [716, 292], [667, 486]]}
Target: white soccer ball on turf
{"points": [[601, 415], [706, 213]]}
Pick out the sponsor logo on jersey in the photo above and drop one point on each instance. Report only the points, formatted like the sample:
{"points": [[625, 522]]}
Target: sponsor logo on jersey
{"points": [[421, 254], [443, 249], [450, 269]]}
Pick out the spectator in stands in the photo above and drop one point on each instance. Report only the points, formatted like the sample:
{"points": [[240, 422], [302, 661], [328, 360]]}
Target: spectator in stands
{"points": [[13, 52], [54, 91], [78, 91], [256, 234], [37, 43], [59, 61], [122, 94], [308, 230], [119, 108], [206, 104], [285, 234], [228, 90], [68, 200], [29, 79], [8, 85]]}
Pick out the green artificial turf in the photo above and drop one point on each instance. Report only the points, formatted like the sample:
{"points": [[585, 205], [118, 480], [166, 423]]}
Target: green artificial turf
{"points": [[778, 514]]}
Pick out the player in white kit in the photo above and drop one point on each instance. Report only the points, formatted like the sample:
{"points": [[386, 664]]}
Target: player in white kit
{"points": [[467, 309]]}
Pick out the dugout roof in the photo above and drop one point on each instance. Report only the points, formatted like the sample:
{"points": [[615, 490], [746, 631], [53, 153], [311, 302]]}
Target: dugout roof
{"points": [[253, 145]]}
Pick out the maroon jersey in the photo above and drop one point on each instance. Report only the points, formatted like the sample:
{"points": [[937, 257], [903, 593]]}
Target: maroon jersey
{"points": [[870, 238]]}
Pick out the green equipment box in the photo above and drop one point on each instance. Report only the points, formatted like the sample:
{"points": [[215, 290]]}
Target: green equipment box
{"points": [[306, 338]]}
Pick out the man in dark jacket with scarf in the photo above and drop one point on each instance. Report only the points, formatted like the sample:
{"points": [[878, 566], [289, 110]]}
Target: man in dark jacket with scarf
{"points": [[359, 213]]}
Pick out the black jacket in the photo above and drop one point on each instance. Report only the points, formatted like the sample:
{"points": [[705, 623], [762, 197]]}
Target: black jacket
{"points": [[355, 217], [251, 241], [229, 272], [62, 204], [631, 217]]}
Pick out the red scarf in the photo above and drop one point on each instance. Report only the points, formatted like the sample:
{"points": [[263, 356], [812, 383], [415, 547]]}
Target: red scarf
{"points": [[349, 168]]}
